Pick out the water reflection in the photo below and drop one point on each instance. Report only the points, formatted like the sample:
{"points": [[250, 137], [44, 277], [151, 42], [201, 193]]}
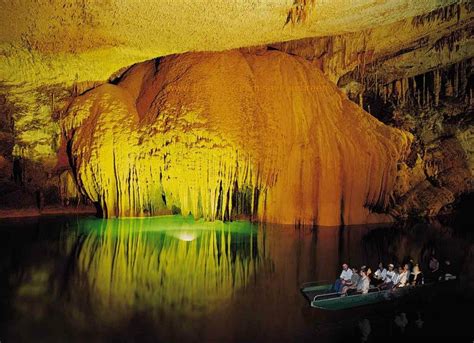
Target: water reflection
{"points": [[168, 263], [174, 279]]}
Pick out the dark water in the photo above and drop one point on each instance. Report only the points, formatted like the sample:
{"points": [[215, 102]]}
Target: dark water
{"points": [[175, 280]]}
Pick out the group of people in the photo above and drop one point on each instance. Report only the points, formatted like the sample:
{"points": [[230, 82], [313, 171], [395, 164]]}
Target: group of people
{"points": [[355, 280]]}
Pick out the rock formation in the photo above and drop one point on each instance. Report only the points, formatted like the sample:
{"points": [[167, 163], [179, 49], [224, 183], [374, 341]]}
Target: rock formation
{"points": [[407, 63], [218, 135]]}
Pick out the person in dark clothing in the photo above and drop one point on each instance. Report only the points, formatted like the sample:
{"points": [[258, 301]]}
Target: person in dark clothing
{"points": [[17, 171], [416, 276], [447, 272], [434, 272]]}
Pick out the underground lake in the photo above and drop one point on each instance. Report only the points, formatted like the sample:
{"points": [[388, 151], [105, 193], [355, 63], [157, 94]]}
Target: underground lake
{"points": [[172, 278]]}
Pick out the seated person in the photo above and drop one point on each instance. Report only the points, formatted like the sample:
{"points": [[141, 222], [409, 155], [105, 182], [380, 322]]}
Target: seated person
{"points": [[353, 283], [344, 278], [416, 276], [363, 284], [433, 273], [402, 278], [380, 274], [448, 273], [390, 277]]}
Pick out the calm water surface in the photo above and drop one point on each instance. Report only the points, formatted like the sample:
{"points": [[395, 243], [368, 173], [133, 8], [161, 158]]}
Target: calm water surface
{"points": [[172, 279]]}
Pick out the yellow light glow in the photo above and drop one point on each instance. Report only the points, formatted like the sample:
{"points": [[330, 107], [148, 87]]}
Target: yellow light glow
{"points": [[218, 135]]}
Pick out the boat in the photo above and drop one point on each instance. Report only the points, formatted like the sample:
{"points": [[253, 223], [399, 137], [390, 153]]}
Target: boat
{"points": [[322, 296]]}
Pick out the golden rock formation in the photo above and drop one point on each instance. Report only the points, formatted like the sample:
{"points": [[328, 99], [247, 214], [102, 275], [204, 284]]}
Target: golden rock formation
{"points": [[219, 135]]}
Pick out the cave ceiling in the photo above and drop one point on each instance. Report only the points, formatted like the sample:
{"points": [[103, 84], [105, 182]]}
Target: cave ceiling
{"points": [[52, 50], [53, 42]]}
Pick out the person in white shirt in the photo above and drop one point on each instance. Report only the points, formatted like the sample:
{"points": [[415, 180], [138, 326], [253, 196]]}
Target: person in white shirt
{"points": [[364, 282], [390, 277], [402, 276], [344, 278], [380, 274], [354, 281]]}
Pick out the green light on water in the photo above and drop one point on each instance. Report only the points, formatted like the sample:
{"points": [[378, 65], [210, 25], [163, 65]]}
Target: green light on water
{"points": [[168, 263], [165, 224]]}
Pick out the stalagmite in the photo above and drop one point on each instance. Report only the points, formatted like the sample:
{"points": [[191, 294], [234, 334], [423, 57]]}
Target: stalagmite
{"points": [[218, 135]]}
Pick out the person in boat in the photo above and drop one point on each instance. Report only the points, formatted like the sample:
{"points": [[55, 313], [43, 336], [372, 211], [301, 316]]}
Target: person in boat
{"points": [[416, 276], [380, 274], [402, 278], [410, 263], [447, 273], [433, 268], [344, 278], [362, 285], [364, 282], [354, 281], [368, 271], [396, 277], [390, 277]]}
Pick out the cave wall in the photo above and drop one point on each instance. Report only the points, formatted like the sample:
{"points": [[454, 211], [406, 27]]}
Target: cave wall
{"points": [[386, 56], [218, 135]]}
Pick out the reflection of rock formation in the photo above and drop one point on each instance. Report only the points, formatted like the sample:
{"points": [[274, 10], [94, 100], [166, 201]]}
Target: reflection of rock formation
{"points": [[223, 134], [163, 264]]}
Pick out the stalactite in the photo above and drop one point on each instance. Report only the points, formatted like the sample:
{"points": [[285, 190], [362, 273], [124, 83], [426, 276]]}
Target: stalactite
{"points": [[405, 90], [437, 87], [463, 81], [206, 129], [398, 90], [449, 87], [456, 80], [424, 90], [442, 14], [376, 84]]}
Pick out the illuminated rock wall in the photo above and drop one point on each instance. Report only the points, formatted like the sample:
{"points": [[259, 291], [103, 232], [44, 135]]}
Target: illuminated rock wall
{"points": [[218, 135]]}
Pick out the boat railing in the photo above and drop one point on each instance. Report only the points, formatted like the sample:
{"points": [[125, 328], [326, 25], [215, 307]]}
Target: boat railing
{"points": [[374, 290], [315, 283], [326, 296], [335, 295]]}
